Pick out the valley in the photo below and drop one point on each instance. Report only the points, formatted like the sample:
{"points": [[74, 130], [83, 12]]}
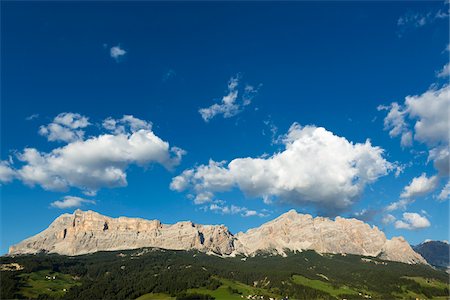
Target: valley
{"points": [[152, 273]]}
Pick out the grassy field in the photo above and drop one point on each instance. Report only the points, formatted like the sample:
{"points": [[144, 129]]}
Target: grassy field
{"points": [[225, 291], [36, 283], [155, 296], [425, 282], [324, 286]]}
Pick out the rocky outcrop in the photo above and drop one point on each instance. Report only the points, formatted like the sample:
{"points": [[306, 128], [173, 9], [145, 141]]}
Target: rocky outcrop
{"points": [[88, 232], [296, 232]]}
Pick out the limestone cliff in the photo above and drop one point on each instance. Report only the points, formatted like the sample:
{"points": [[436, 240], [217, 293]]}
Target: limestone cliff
{"points": [[88, 232]]}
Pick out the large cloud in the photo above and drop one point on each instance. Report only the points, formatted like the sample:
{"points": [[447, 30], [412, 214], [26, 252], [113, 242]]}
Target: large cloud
{"points": [[316, 167], [99, 161], [423, 118]]}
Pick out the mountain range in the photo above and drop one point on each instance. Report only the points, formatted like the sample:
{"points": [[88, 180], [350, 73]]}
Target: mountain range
{"points": [[436, 253], [87, 232]]}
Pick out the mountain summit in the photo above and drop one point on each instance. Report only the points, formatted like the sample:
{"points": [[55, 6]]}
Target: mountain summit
{"points": [[86, 232]]}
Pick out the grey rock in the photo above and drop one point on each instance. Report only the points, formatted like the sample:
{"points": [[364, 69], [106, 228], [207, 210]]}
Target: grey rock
{"points": [[88, 232]]}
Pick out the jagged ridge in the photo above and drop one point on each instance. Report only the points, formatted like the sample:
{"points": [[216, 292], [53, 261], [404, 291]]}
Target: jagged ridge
{"points": [[88, 232]]}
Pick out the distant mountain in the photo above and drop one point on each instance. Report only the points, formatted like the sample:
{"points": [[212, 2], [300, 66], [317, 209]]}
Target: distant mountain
{"points": [[89, 232], [436, 253]]}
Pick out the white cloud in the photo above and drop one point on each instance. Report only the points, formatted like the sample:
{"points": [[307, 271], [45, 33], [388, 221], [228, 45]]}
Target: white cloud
{"points": [[233, 210], [445, 192], [273, 130], [420, 186], [430, 110], [400, 204], [117, 52], [7, 174], [32, 117], [97, 162], [229, 105], [365, 215], [316, 168], [429, 114], [445, 72], [66, 127], [412, 221], [127, 122], [396, 124], [388, 219], [71, 201], [416, 20]]}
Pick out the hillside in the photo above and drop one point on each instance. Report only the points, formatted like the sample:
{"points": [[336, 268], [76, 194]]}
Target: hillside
{"points": [[151, 273], [436, 253]]}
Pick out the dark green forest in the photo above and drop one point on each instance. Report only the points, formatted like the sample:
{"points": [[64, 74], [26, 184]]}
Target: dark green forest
{"points": [[191, 275]]}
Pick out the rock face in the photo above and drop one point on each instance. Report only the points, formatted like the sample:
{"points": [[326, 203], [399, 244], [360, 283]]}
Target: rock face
{"points": [[88, 232], [297, 232]]}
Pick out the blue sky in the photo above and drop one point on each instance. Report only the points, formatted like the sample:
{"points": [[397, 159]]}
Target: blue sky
{"points": [[294, 88]]}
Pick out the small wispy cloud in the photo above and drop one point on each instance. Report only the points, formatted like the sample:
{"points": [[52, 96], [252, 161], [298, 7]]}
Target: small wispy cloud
{"points": [[117, 52], [411, 20], [444, 72], [233, 210], [71, 202], [168, 75], [32, 117], [388, 219], [231, 104]]}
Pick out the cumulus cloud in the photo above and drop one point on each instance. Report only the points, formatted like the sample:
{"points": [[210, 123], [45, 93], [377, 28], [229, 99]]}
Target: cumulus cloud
{"points": [[230, 104], [117, 52], [316, 168], [7, 174], [427, 116], [99, 161], [420, 186], [430, 112], [422, 118], [412, 221], [126, 123], [70, 202], [66, 127]]}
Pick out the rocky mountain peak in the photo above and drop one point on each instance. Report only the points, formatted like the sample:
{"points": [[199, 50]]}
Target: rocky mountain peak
{"points": [[88, 231]]}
